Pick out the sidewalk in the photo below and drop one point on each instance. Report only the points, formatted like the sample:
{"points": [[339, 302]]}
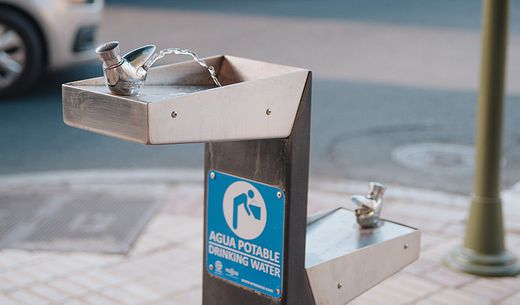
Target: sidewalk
{"points": [[164, 266]]}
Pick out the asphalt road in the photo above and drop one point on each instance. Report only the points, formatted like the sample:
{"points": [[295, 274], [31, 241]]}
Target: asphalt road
{"points": [[461, 14], [369, 128]]}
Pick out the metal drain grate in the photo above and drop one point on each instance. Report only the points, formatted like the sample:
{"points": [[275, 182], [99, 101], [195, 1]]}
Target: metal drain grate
{"points": [[90, 220]]}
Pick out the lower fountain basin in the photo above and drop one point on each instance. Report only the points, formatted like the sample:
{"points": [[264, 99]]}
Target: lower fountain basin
{"points": [[344, 260]]}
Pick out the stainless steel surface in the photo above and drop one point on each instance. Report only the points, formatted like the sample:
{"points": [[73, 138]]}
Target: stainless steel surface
{"points": [[370, 206], [124, 75], [235, 111], [337, 234], [110, 54], [12, 56], [344, 260], [59, 21], [377, 190]]}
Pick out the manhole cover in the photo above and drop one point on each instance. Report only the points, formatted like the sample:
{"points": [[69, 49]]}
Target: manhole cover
{"points": [[89, 220], [439, 158]]}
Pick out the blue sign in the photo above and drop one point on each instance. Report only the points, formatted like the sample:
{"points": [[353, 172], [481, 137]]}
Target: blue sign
{"points": [[245, 232]]}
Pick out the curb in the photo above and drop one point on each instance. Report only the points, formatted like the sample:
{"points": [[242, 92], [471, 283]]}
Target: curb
{"points": [[333, 191], [162, 177], [101, 176]]}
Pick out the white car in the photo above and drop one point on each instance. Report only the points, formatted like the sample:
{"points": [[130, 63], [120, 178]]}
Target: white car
{"points": [[40, 35]]}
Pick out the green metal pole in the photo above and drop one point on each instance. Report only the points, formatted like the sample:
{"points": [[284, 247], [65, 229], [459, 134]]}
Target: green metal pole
{"points": [[484, 252]]}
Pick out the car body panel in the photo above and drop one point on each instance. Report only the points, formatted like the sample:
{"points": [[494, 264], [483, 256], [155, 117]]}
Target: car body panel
{"points": [[59, 21]]}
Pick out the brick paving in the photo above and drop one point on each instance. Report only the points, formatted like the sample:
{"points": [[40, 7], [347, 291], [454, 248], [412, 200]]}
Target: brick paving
{"points": [[164, 265]]}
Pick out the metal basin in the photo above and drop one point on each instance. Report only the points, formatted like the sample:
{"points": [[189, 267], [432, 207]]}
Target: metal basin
{"points": [[180, 104], [343, 260]]}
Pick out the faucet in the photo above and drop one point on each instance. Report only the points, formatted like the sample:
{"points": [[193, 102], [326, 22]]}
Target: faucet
{"points": [[125, 75], [370, 206]]}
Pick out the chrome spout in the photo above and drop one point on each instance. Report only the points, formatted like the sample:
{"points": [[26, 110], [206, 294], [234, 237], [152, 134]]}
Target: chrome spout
{"points": [[124, 75], [110, 54], [370, 206]]}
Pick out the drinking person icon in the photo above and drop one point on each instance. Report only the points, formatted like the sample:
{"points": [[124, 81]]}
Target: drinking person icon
{"points": [[244, 210], [251, 209]]}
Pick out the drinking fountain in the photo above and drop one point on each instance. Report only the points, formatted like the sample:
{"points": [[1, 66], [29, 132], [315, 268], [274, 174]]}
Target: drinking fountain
{"points": [[259, 245], [124, 75]]}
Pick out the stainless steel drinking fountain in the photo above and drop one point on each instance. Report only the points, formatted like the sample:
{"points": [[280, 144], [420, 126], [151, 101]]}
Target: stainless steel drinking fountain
{"points": [[259, 246], [347, 252]]}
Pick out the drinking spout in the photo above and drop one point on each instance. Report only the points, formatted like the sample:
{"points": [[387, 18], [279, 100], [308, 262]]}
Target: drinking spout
{"points": [[141, 57], [110, 54], [124, 75], [369, 206]]}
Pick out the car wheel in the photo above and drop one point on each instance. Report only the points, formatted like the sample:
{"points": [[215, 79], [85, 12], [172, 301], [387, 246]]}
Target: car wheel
{"points": [[21, 53]]}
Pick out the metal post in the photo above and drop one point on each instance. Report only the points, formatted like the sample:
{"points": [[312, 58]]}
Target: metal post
{"points": [[483, 251]]}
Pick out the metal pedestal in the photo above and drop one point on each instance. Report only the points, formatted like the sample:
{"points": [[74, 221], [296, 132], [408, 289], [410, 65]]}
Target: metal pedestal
{"points": [[280, 162], [256, 129]]}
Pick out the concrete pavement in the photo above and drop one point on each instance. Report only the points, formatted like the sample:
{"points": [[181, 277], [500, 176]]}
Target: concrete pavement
{"points": [[164, 266]]}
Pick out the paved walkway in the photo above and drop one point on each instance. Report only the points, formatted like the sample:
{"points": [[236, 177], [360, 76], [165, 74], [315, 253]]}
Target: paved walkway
{"points": [[164, 266]]}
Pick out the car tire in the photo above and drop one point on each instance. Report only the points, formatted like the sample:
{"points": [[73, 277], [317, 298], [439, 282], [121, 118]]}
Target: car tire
{"points": [[34, 51]]}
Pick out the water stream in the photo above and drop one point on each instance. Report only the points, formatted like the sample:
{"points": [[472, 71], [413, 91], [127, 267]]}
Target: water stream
{"points": [[194, 55]]}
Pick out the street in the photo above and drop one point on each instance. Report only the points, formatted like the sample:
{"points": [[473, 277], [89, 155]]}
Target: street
{"points": [[391, 102]]}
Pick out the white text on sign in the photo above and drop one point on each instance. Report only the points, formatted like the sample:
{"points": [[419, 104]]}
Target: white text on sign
{"points": [[245, 253]]}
